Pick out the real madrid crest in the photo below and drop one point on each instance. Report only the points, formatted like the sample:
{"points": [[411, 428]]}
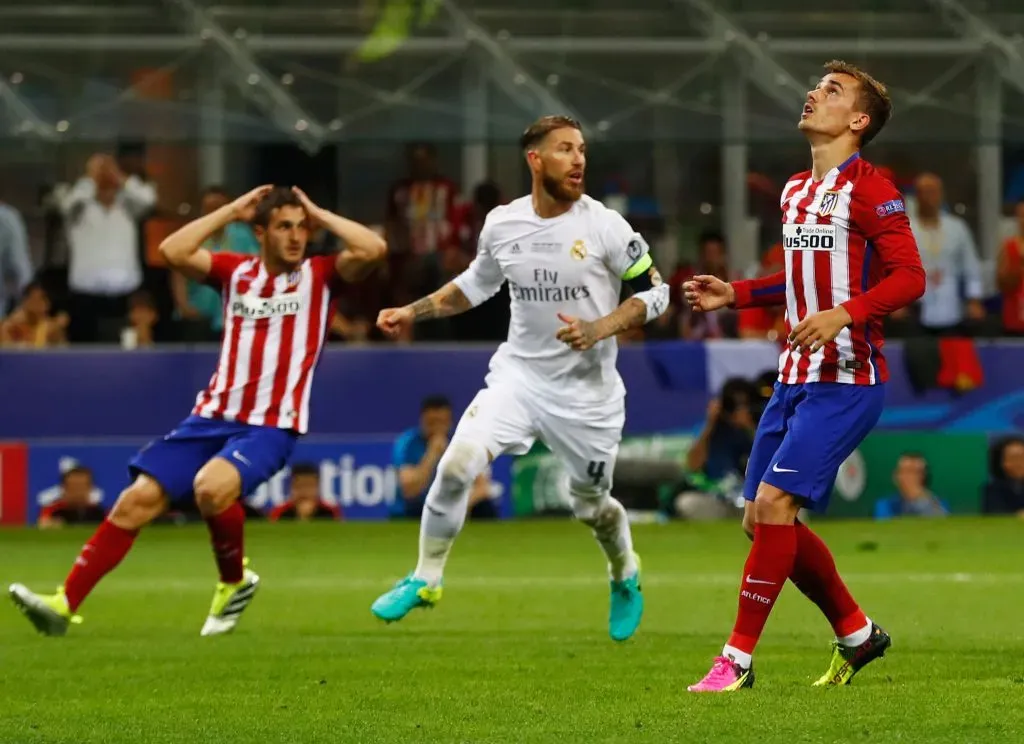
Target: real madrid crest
{"points": [[829, 202], [578, 250]]}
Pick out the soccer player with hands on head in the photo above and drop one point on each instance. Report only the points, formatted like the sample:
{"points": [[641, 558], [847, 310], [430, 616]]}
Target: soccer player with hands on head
{"points": [[244, 425]]}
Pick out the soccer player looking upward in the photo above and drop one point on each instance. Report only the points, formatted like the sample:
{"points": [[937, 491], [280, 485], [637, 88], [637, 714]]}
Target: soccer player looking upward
{"points": [[565, 257], [851, 260], [243, 428]]}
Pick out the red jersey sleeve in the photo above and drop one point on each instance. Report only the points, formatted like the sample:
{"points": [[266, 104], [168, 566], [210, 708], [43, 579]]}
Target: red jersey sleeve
{"points": [[325, 272], [765, 291], [222, 266], [879, 214]]}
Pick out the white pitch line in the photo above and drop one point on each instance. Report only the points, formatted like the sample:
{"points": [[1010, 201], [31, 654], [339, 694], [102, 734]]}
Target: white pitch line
{"points": [[517, 583]]}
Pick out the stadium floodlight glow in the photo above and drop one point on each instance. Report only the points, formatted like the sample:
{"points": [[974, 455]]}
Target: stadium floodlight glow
{"points": [[506, 72], [763, 70], [31, 121], [254, 82], [1007, 54]]}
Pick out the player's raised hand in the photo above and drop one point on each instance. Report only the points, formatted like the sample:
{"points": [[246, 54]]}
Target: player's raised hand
{"points": [[244, 207], [705, 293], [816, 330], [578, 334], [312, 210], [393, 320]]}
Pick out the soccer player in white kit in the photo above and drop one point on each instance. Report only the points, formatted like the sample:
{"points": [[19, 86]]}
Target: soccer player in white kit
{"points": [[565, 257]]}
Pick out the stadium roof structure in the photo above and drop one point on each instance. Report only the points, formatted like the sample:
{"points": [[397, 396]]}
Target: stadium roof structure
{"points": [[474, 70]]}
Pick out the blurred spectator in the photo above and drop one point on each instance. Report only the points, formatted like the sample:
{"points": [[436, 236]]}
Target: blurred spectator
{"points": [[420, 220], [724, 444], [1004, 492], [765, 322], [31, 325], [142, 320], [304, 502], [75, 504], [101, 213], [199, 305], [950, 259], [1010, 277], [416, 454], [913, 497], [712, 259], [350, 328], [15, 265]]}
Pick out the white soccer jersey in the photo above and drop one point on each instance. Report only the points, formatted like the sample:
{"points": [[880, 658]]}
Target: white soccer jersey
{"points": [[571, 264]]}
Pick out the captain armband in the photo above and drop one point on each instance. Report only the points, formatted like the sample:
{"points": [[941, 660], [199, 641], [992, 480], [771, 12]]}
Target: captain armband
{"points": [[647, 285]]}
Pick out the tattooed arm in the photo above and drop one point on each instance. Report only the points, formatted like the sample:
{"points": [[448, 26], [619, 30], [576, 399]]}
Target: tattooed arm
{"points": [[447, 301]]}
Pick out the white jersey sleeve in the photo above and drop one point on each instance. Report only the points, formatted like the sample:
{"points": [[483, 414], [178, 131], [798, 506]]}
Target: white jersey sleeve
{"points": [[624, 247], [484, 277]]}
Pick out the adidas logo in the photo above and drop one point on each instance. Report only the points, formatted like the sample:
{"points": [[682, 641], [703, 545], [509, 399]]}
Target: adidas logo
{"points": [[516, 249]]}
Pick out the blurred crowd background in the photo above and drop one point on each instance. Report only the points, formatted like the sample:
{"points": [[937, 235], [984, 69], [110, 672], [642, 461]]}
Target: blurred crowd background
{"points": [[120, 121]]}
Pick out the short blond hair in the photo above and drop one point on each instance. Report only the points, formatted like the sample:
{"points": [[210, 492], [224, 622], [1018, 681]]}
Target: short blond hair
{"points": [[874, 97]]}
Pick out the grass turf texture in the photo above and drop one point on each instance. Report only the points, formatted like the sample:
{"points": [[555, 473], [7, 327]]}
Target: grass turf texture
{"points": [[518, 650]]}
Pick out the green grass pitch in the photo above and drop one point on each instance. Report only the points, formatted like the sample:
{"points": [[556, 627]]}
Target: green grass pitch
{"points": [[518, 649]]}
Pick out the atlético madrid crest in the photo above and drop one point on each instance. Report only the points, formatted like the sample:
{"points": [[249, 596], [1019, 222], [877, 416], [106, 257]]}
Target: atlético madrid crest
{"points": [[829, 202]]}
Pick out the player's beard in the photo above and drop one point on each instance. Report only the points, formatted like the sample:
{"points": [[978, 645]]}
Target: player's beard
{"points": [[560, 190]]}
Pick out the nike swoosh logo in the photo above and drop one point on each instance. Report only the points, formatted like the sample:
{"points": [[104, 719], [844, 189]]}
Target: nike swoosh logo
{"points": [[777, 469], [759, 581]]}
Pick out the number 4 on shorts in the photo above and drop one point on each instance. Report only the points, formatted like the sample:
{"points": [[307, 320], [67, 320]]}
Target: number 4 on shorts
{"points": [[596, 471]]}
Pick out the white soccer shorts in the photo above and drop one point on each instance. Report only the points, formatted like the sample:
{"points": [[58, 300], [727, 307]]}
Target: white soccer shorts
{"points": [[507, 419]]}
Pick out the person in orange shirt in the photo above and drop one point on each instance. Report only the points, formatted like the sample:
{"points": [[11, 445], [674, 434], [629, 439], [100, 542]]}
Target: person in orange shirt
{"points": [[1010, 277]]}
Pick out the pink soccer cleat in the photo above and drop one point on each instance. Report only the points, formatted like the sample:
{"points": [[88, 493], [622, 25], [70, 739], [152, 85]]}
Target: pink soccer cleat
{"points": [[725, 676]]}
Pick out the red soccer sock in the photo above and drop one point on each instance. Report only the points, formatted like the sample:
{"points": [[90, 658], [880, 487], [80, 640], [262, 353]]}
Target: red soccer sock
{"points": [[226, 533], [105, 549], [768, 566], [814, 573]]}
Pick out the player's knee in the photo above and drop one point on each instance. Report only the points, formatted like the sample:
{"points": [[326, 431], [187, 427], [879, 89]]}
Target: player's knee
{"points": [[215, 487], [589, 504], [138, 505], [461, 464], [772, 505]]}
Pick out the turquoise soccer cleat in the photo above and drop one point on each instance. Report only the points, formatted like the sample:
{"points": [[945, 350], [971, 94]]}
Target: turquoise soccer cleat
{"points": [[407, 595], [627, 606]]}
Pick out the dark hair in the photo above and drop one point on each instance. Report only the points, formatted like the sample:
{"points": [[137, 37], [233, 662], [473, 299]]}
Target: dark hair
{"points": [[919, 456], [487, 195], [305, 468], [874, 98], [433, 402], [545, 125], [34, 285], [281, 196], [76, 470], [736, 391], [710, 236], [141, 298], [995, 454]]}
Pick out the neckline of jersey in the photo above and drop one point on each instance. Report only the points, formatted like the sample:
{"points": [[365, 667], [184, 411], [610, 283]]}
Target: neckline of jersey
{"points": [[839, 168]]}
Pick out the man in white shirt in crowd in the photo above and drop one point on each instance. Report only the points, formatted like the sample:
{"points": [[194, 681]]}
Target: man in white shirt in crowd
{"points": [[15, 264], [565, 257], [101, 216], [949, 257]]}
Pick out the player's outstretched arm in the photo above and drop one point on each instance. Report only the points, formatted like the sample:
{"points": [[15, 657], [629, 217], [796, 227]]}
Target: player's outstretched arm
{"points": [[445, 302], [364, 249], [181, 249]]}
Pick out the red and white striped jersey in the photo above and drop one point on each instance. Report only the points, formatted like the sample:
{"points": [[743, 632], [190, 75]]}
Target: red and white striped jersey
{"points": [[847, 242], [275, 327]]}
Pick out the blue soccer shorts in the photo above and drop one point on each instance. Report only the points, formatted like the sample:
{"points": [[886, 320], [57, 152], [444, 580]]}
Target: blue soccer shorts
{"points": [[806, 432], [258, 452]]}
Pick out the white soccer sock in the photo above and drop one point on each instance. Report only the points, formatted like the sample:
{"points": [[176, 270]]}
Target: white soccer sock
{"points": [[855, 639], [739, 657], [444, 512], [610, 525]]}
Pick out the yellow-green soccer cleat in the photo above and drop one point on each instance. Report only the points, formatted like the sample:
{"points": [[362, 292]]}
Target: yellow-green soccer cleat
{"points": [[847, 660], [229, 602], [49, 614]]}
